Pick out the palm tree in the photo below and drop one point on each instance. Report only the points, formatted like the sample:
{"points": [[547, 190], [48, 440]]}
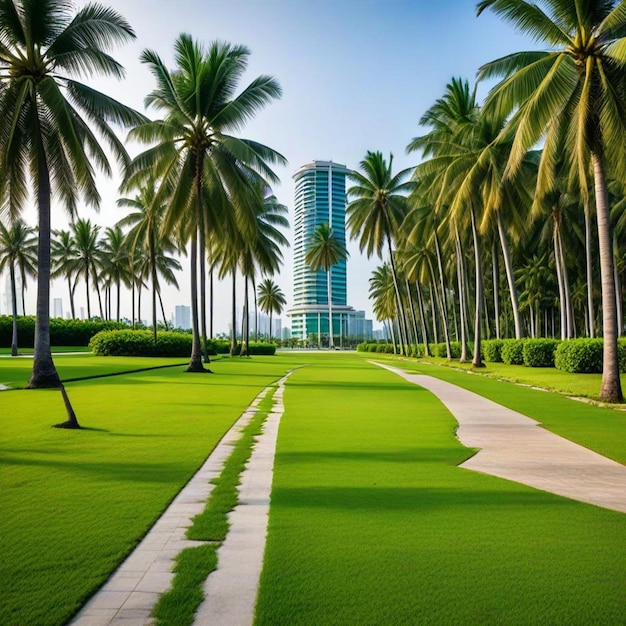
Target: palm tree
{"points": [[271, 299], [17, 251], [115, 261], [324, 251], [89, 257], [382, 293], [377, 209], [205, 171], [572, 96], [45, 118], [64, 254], [146, 234]]}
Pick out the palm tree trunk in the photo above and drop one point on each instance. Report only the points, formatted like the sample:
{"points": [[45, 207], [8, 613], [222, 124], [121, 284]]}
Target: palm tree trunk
{"points": [[331, 342], [477, 360], [611, 389], [618, 292], [211, 303], [444, 307], [420, 304], [133, 299], [162, 309], [44, 372], [433, 312], [139, 290], [245, 348], [460, 272], [95, 282], [14, 306], [256, 312], [23, 291], [588, 264], [119, 293], [153, 272], [202, 258], [413, 313], [559, 277], [87, 292], [569, 316], [233, 341], [496, 289], [401, 316], [270, 337], [71, 290], [508, 266], [195, 362]]}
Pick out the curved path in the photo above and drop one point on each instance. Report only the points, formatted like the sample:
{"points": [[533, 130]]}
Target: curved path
{"points": [[517, 448]]}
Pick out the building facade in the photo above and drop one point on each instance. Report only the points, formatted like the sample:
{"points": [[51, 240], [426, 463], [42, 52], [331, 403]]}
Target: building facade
{"points": [[320, 198]]}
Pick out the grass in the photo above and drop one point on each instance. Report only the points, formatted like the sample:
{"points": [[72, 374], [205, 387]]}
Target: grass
{"points": [[599, 428], [55, 350], [75, 503], [177, 606], [372, 522]]}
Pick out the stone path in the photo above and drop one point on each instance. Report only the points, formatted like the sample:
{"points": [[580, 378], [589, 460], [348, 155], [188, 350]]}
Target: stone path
{"points": [[517, 448], [230, 591], [129, 596]]}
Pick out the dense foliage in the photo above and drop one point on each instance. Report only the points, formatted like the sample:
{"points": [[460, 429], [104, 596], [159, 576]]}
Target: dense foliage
{"points": [[539, 352], [585, 356]]}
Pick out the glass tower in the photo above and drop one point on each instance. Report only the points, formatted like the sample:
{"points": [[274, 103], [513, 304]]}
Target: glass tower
{"points": [[320, 198]]}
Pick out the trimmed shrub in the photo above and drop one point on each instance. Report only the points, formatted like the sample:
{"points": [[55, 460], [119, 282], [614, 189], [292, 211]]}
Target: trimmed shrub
{"points": [[363, 347], [579, 356], [539, 352], [492, 350], [140, 343], [513, 351], [439, 349]]}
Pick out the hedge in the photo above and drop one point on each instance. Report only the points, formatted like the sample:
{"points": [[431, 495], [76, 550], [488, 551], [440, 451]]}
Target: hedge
{"points": [[513, 351], [585, 356], [62, 332], [168, 344], [492, 350], [539, 352]]}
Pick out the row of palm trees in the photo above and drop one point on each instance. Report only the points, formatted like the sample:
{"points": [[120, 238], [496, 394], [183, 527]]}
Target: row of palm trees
{"points": [[484, 194], [197, 185]]}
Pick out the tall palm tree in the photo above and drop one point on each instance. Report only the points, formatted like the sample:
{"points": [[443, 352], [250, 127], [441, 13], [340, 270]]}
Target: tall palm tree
{"points": [[45, 122], [17, 251], [146, 233], [376, 210], [64, 254], [115, 261], [204, 170], [271, 299], [382, 293], [572, 95], [324, 251], [89, 257]]}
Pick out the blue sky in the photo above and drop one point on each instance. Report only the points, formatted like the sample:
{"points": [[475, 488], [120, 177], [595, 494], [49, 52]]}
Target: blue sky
{"points": [[356, 75]]}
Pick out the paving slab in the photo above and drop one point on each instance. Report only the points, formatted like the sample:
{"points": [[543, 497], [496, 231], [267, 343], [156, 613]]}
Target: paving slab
{"points": [[131, 593], [230, 591], [518, 448]]}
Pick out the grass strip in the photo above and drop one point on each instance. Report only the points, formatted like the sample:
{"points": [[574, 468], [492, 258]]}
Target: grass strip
{"points": [[372, 521], [178, 605], [599, 428]]}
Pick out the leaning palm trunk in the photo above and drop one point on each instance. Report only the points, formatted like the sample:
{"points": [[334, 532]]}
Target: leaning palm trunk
{"points": [[420, 304], [611, 388], [162, 309], [460, 272], [569, 315], [14, 305], [71, 291], [590, 312], [496, 289], [508, 266], [559, 277], [400, 311], [477, 360], [413, 313], [331, 342]]}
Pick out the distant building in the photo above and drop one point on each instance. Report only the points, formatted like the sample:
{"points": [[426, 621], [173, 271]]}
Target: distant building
{"points": [[182, 316], [58, 307], [320, 198]]}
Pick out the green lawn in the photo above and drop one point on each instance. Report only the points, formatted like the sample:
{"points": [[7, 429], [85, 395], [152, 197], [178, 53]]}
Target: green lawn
{"points": [[55, 349], [74, 503], [372, 522], [602, 429]]}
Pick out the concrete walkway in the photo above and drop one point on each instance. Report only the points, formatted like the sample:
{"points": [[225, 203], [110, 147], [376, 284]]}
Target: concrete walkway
{"points": [[517, 448], [230, 591], [129, 596]]}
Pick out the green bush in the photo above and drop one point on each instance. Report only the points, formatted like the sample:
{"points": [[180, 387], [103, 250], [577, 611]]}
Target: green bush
{"points": [[492, 350], [140, 343], [62, 332], [579, 356], [439, 349], [539, 352], [513, 351]]}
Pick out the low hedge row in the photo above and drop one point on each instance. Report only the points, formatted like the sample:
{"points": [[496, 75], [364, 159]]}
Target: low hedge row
{"points": [[168, 344], [585, 356], [62, 332]]}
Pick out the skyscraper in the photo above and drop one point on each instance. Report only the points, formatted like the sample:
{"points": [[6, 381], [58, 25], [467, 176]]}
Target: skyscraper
{"points": [[320, 198]]}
